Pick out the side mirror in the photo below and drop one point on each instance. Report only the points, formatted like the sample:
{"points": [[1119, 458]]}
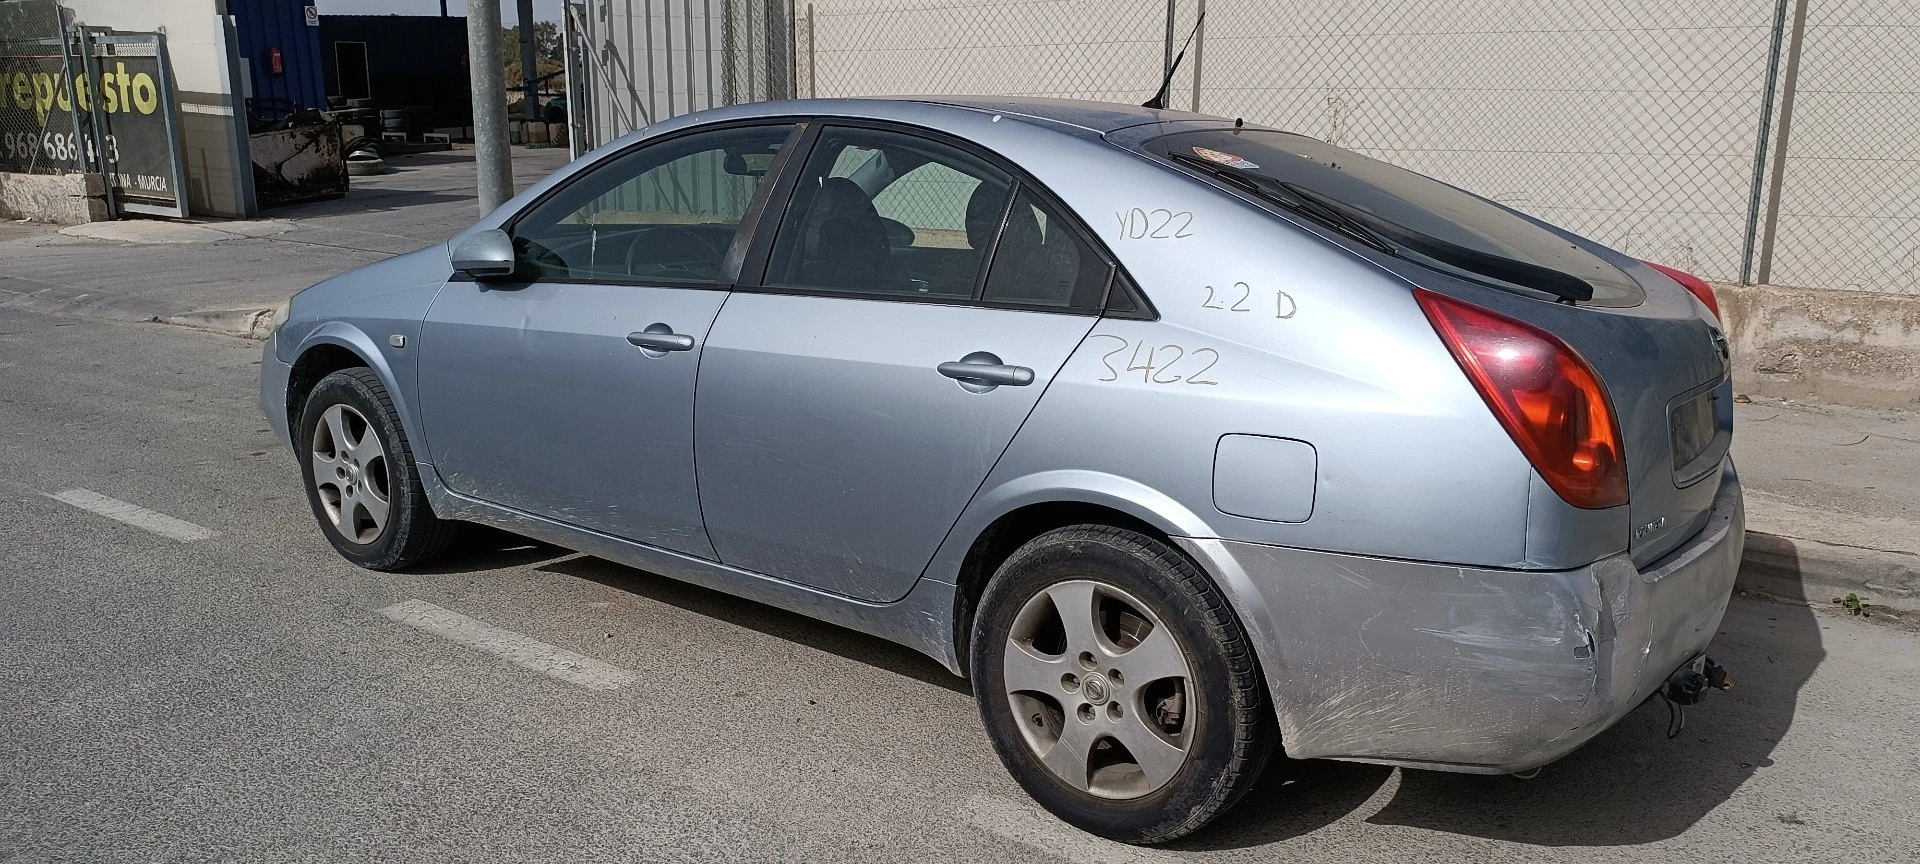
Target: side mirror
{"points": [[485, 255]]}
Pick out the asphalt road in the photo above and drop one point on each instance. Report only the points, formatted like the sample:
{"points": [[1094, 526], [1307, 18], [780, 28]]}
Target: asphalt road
{"points": [[243, 697]]}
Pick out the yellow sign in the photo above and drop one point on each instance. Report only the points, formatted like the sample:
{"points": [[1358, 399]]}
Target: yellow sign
{"points": [[41, 92]]}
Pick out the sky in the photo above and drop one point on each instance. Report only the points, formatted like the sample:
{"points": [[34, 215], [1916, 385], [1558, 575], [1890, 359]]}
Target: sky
{"points": [[543, 10]]}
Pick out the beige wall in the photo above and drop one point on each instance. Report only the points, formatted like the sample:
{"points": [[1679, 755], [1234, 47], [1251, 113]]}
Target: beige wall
{"points": [[219, 182]]}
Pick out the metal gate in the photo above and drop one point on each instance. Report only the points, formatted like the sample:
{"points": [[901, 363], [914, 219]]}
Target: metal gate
{"points": [[91, 101]]}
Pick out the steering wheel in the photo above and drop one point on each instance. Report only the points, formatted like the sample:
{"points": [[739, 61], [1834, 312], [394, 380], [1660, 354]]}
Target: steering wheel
{"points": [[693, 251]]}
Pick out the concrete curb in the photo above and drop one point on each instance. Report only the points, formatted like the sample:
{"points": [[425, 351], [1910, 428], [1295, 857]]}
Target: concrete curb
{"points": [[1815, 572], [244, 323]]}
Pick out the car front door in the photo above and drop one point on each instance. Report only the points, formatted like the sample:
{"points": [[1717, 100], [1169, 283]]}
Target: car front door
{"points": [[567, 391], [853, 399]]}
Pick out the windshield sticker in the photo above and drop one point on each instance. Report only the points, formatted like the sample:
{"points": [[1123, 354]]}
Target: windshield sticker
{"points": [[1227, 159]]}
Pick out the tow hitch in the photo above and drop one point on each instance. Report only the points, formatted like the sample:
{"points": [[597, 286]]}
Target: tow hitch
{"points": [[1687, 685]]}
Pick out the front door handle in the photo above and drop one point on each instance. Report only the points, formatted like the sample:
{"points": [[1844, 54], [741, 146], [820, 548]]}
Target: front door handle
{"points": [[658, 337], [981, 371]]}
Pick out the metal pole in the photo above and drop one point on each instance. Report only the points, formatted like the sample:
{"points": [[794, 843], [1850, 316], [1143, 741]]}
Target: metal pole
{"points": [[686, 12], [92, 153], [666, 36], [713, 96], [529, 66], [97, 115], [1166, 63], [566, 74], [492, 160], [1760, 142], [1199, 50], [813, 80], [653, 107], [1791, 78]]}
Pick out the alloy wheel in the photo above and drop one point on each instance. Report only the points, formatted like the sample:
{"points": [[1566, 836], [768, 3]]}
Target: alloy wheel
{"points": [[350, 473], [1101, 690]]}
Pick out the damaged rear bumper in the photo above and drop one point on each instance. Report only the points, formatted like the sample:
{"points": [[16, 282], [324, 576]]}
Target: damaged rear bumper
{"points": [[1467, 669]]}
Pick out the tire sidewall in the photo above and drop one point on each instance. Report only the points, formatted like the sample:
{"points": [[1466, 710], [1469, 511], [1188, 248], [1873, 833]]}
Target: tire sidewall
{"points": [[1057, 557], [355, 389]]}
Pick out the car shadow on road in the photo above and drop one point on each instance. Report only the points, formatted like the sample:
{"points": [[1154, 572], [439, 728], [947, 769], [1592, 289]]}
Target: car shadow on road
{"points": [[772, 621], [479, 548], [1628, 786]]}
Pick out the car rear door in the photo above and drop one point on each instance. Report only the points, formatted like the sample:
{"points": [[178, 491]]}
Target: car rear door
{"points": [[567, 392], [913, 306]]}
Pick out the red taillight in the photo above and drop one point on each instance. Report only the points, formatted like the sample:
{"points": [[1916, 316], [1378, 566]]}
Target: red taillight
{"points": [[1546, 396], [1692, 283]]}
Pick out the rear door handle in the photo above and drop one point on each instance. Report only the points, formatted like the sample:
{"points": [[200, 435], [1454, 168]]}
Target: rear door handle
{"points": [[660, 339], [983, 368]]}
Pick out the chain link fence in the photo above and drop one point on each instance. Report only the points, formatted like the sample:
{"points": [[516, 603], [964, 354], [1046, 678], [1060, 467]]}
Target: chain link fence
{"points": [[1849, 170], [39, 123], [1657, 128]]}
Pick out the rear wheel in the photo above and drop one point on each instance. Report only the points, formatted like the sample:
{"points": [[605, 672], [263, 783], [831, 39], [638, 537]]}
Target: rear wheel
{"points": [[1117, 685], [360, 476]]}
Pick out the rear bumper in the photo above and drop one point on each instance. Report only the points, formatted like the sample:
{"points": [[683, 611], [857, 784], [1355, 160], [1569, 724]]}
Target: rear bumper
{"points": [[1467, 669]]}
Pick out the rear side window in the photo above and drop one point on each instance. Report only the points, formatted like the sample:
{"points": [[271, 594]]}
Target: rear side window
{"points": [[1403, 213]]}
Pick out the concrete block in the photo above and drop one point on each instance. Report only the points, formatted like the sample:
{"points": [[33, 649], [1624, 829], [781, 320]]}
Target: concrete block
{"points": [[62, 199], [1857, 348]]}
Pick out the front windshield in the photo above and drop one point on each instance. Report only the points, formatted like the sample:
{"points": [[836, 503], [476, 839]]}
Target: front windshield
{"points": [[1401, 198]]}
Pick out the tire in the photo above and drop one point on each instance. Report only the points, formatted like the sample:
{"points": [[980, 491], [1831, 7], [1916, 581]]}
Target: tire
{"points": [[345, 412], [1222, 728]]}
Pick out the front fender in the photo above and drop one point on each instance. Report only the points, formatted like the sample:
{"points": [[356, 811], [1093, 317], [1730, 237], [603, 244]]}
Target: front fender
{"points": [[394, 367]]}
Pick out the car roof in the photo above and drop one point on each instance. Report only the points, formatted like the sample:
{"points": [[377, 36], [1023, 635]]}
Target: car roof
{"points": [[1101, 117]]}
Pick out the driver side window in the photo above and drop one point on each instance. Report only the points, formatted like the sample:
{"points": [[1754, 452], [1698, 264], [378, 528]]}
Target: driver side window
{"points": [[663, 213]]}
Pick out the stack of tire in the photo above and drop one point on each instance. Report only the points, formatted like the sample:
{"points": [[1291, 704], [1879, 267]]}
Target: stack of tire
{"points": [[410, 120]]}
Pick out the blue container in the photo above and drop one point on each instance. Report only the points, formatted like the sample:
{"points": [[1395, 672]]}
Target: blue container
{"points": [[265, 26]]}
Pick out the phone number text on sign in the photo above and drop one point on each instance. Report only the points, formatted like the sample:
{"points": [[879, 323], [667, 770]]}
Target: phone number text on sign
{"points": [[30, 146]]}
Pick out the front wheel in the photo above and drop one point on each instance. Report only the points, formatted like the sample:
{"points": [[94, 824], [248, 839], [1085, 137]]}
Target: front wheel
{"points": [[360, 476], [1117, 686]]}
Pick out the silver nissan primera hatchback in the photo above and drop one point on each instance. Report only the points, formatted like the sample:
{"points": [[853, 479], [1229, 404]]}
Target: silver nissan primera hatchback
{"points": [[1183, 438]]}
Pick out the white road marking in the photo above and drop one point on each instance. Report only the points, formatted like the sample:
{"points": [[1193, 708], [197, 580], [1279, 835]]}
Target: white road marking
{"points": [[1028, 825], [137, 516], [529, 653]]}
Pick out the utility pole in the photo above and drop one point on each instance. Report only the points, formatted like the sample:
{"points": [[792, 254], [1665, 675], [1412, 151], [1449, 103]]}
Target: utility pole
{"points": [[491, 157], [529, 70]]}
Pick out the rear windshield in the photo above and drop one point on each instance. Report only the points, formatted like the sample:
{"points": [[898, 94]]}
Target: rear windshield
{"points": [[1402, 213]]}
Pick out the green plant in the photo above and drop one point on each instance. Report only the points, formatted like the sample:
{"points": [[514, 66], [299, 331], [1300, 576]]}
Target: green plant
{"points": [[1854, 605]]}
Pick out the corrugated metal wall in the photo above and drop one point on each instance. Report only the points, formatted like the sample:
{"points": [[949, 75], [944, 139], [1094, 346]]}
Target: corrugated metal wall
{"points": [[642, 61], [267, 24]]}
